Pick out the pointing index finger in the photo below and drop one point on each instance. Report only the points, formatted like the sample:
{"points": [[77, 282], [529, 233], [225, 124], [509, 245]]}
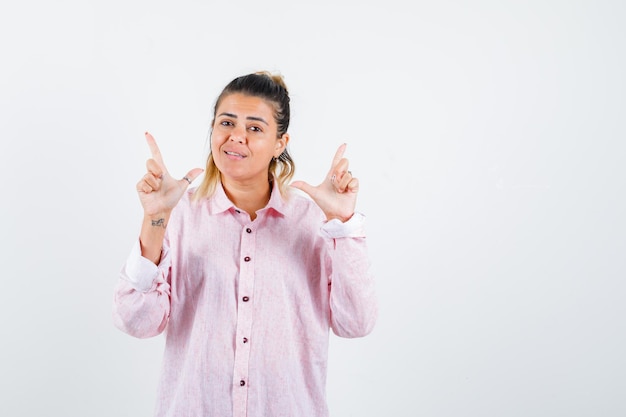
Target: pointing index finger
{"points": [[339, 154], [154, 149]]}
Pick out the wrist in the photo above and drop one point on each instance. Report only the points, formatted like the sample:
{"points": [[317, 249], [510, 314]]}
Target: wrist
{"points": [[159, 217], [152, 234], [341, 218]]}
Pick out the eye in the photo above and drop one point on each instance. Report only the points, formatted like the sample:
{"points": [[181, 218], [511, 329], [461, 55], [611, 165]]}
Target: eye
{"points": [[255, 129], [226, 123]]}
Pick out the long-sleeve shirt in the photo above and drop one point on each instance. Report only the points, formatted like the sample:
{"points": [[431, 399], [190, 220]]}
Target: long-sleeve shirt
{"points": [[246, 306]]}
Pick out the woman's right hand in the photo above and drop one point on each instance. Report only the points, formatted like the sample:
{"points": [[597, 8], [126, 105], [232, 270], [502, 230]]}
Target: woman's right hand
{"points": [[158, 191]]}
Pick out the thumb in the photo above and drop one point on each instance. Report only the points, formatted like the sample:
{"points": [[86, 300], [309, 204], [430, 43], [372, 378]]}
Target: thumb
{"points": [[191, 175], [304, 186]]}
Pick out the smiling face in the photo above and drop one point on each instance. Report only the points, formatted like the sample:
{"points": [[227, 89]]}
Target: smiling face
{"points": [[244, 139]]}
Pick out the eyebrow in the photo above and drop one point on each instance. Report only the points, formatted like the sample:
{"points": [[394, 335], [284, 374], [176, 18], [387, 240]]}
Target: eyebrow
{"points": [[234, 116]]}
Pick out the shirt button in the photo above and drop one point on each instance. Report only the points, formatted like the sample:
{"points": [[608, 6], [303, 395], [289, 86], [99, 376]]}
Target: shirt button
{"points": [[245, 340], [249, 230], [247, 259], [242, 383], [246, 299]]}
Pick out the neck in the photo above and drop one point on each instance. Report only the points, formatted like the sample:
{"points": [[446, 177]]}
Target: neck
{"points": [[250, 197]]}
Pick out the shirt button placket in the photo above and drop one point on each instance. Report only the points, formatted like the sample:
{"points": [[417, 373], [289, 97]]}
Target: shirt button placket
{"points": [[244, 322]]}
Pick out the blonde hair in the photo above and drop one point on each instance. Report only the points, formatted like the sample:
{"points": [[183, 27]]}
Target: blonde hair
{"points": [[272, 88]]}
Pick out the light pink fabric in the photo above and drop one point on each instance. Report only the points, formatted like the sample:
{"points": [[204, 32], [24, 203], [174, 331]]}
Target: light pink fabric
{"points": [[246, 306]]}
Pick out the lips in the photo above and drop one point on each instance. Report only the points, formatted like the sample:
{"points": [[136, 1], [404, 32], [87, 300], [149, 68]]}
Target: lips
{"points": [[234, 154]]}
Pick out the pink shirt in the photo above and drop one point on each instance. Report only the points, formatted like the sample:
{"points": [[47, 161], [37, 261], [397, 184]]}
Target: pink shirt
{"points": [[246, 306]]}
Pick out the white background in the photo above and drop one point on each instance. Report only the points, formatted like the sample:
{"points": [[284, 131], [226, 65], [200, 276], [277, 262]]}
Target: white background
{"points": [[489, 140]]}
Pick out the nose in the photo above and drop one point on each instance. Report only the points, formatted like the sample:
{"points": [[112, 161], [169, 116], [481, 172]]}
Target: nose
{"points": [[238, 135]]}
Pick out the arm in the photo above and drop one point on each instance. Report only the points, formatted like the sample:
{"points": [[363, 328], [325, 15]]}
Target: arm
{"points": [[141, 304], [353, 303]]}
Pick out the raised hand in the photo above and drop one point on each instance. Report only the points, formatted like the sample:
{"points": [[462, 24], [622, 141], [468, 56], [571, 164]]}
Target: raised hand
{"points": [[336, 195], [158, 191]]}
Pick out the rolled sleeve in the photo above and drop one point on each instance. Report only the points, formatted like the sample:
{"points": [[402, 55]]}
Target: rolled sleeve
{"points": [[141, 273], [354, 227]]}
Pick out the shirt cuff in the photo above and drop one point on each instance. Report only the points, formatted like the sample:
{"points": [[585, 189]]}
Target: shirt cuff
{"points": [[140, 272], [354, 227]]}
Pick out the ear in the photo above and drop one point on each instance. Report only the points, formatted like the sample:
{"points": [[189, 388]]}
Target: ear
{"points": [[281, 144]]}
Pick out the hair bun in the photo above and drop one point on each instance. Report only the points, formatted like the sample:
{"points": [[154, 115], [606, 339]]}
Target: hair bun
{"points": [[276, 77]]}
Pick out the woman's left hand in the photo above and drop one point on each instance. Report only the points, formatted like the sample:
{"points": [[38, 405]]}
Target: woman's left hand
{"points": [[336, 195]]}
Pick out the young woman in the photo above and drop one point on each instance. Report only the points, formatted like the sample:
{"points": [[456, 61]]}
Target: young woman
{"points": [[243, 274]]}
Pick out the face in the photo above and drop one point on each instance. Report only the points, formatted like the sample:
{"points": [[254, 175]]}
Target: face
{"points": [[244, 139]]}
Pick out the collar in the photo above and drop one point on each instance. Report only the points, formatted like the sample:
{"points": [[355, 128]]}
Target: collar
{"points": [[220, 202]]}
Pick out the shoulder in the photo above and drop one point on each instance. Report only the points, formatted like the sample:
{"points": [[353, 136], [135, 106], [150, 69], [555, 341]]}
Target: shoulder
{"points": [[187, 201], [188, 206], [303, 208]]}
